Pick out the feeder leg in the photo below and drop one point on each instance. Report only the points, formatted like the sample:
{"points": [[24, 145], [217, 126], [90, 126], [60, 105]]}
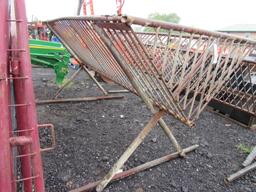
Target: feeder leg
{"points": [[170, 135], [95, 80], [66, 83], [133, 146]]}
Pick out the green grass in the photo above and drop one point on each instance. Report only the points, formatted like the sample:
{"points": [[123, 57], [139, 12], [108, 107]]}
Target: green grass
{"points": [[244, 148]]}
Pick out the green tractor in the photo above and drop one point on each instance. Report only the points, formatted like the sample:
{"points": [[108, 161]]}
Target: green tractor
{"points": [[51, 55]]}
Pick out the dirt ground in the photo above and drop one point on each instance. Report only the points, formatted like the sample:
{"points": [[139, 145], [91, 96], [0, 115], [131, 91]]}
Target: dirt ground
{"points": [[92, 135]]}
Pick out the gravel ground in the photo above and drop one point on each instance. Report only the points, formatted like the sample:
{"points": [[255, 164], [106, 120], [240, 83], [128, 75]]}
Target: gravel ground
{"points": [[92, 135]]}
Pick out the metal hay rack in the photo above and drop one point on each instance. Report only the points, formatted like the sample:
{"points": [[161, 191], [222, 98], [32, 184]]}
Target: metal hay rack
{"points": [[175, 69]]}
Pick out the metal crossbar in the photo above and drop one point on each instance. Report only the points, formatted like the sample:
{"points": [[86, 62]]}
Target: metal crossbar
{"points": [[179, 71]]}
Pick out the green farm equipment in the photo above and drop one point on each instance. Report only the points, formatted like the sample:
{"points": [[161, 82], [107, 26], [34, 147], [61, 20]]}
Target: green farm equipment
{"points": [[51, 55]]}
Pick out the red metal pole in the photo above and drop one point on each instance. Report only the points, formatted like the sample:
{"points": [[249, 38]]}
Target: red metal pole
{"points": [[91, 7], [24, 94], [6, 172], [84, 7], [119, 5]]}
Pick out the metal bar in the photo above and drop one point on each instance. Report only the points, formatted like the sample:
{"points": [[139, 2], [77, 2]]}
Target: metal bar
{"points": [[250, 157], [130, 150], [119, 91], [82, 99], [95, 80], [154, 24], [135, 170], [67, 82], [241, 172], [24, 93], [26, 179]]}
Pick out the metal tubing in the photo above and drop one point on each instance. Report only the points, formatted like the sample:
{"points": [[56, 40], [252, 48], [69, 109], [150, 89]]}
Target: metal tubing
{"points": [[67, 82], [24, 93], [135, 170], [95, 81], [241, 172], [119, 91], [52, 101], [6, 172], [133, 146], [154, 24], [250, 157]]}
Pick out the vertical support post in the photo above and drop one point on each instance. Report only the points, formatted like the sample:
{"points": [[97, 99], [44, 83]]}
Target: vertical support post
{"points": [[6, 172], [119, 5], [130, 150], [91, 7], [24, 93]]}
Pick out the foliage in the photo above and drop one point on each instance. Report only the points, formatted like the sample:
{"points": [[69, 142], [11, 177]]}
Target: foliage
{"points": [[171, 17], [244, 148]]}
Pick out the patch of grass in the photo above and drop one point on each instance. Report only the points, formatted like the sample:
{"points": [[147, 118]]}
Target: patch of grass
{"points": [[64, 81], [244, 148]]}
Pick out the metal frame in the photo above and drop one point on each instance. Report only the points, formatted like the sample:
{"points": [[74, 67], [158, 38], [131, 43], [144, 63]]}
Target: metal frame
{"points": [[177, 73]]}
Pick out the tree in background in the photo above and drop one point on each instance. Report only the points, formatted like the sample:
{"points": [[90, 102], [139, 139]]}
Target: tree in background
{"points": [[171, 17]]}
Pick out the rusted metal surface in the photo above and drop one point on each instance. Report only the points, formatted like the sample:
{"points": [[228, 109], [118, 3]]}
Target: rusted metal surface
{"points": [[179, 72], [140, 168]]}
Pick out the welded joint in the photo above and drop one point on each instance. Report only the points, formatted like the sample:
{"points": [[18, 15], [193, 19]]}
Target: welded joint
{"points": [[20, 140]]}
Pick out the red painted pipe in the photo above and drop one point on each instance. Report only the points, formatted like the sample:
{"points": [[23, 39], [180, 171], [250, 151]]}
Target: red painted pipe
{"points": [[6, 175], [20, 111], [24, 94]]}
